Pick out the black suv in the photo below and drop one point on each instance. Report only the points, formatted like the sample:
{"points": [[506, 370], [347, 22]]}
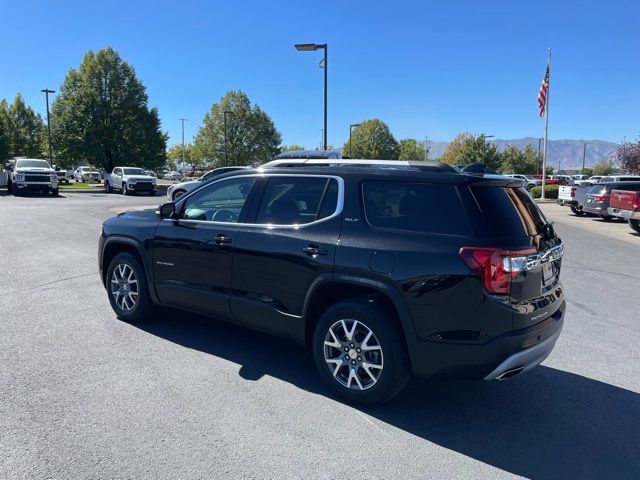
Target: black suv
{"points": [[383, 269]]}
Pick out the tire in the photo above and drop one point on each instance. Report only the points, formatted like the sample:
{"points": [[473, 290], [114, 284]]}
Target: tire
{"points": [[125, 190], [55, 192], [576, 212], [14, 190], [388, 350], [152, 193], [634, 224], [107, 187], [177, 194], [137, 305]]}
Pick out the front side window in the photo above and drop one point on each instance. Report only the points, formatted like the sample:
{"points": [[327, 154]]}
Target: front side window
{"points": [[415, 207], [219, 202], [134, 171], [297, 200]]}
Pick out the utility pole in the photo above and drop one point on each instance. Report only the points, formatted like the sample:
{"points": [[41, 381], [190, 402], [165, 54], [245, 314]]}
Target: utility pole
{"points": [[426, 148], [309, 47], [46, 92], [226, 153], [584, 155], [183, 156]]}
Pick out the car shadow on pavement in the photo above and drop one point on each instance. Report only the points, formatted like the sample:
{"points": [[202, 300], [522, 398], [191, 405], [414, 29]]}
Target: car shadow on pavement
{"points": [[547, 423]]}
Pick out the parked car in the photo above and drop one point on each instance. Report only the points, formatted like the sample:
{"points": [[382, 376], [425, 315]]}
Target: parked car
{"points": [[626, 204], [31, 174], [588, 181], [175, 191], [597, 201], [87, 174], [382, 272], [130, 180], [573, 196], [62, 174], [151, 173], [173, 176], [561, 179], [529, 180], [620, 178]]}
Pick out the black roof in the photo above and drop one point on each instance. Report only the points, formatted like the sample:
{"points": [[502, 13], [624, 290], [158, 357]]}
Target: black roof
{"points": [[299, 154]]}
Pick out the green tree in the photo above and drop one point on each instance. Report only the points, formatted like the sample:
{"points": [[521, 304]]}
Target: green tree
{"points": [[291, 148], [174, 154], [101, 115], [25, 129], [453, 154], [410, 150], [4, 132], [604, 168], [514, 160], [372, 140], [251, 134]]}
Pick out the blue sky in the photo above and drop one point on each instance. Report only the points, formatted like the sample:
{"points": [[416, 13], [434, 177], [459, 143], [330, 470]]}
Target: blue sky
{"points": [[426, 68]]}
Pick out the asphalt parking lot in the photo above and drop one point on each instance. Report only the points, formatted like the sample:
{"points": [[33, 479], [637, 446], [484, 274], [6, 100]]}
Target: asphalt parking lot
{"points": [[83, 395]]}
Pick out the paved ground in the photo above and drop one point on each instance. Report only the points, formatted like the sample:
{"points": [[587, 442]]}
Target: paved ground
{"points": [[83, 395]]}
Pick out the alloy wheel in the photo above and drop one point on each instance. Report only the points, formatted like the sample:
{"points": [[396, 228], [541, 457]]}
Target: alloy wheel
{"points": [[124, 287], [353, 354]]}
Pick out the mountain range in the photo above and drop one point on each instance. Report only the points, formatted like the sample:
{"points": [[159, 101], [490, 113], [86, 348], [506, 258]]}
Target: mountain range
{"points": [[561, 154]]}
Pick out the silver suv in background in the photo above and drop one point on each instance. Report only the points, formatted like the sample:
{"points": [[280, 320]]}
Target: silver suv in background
{"points": [[87, 174], [176, 191]]}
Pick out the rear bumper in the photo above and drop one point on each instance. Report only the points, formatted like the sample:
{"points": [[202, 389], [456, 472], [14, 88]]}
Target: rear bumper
{"points": [[572, 203], [516, 350], [596, 210], [616, 212]]}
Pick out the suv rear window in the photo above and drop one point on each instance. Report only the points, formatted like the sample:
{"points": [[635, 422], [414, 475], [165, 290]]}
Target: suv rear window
{"points": [[509, 212], [415, 207]]}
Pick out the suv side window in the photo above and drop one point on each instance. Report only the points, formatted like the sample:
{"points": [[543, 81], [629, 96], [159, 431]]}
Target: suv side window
{"points": [[297, 200], [219, 202], [415, 207], [116, 171]]}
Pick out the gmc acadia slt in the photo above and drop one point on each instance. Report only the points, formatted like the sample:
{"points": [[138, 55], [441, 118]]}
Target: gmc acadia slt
{"points": [[384, 268]]}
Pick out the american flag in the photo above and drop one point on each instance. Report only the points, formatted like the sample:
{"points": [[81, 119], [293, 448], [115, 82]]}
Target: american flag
{"points": [[542, 94]]}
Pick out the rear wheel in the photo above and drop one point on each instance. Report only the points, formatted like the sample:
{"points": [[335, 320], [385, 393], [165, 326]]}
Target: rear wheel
{"points": [[127, 288], [634, 224], [577, 211], [359, 352]]}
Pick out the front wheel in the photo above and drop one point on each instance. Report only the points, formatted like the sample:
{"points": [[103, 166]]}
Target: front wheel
{"points": [[55, 192], [15, 190], [577, 212], [107, 187], [127, 288], [177, 194], [634, 224], [359, 352], [125, 190]]}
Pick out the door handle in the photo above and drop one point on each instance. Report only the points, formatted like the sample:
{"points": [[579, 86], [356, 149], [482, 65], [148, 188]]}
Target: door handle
{"points": [[221, 239], [314, 251]]}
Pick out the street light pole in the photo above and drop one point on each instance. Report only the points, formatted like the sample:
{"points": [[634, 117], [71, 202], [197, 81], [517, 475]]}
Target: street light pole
{"points": [[46, 92], [350, 129], [308, 47], [426, 148], [584, 155], [183, 159], [226, 154]]}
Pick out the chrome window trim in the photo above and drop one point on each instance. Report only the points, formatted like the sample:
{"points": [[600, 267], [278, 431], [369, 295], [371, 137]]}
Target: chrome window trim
{"points": [[269, 226]]}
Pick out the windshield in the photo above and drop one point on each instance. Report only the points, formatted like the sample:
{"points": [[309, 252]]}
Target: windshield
{"points": [[134, 171], [32, 163]]}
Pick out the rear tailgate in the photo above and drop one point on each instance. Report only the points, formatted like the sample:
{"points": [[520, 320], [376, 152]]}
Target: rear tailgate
{"points": [[516, 223], [567, 192], [625, 200]]}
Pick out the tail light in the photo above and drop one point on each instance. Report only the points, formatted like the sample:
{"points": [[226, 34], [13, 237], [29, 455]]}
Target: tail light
{"points": [[573, 192], [495, 266], [601, 198]]}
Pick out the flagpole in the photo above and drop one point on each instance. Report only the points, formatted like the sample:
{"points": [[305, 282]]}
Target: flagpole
{"points": [[546, 127]]}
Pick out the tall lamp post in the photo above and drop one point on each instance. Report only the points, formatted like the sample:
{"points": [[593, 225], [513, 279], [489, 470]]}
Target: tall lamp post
{"points": [[46, 92], [182, 120], [350, 129], [584, 155], [226, 154], [309, 47]]}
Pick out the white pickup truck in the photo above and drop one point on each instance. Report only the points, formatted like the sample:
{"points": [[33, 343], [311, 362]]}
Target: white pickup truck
{"points": [[130, 180], [29, 175], [574, 197]]}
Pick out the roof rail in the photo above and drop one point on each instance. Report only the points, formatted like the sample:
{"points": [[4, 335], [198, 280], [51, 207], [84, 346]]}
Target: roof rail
{"points": [[420, 165]]}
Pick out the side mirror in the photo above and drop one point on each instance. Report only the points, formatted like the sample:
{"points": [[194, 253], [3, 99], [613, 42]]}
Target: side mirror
{"points": [[166, 210]]}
